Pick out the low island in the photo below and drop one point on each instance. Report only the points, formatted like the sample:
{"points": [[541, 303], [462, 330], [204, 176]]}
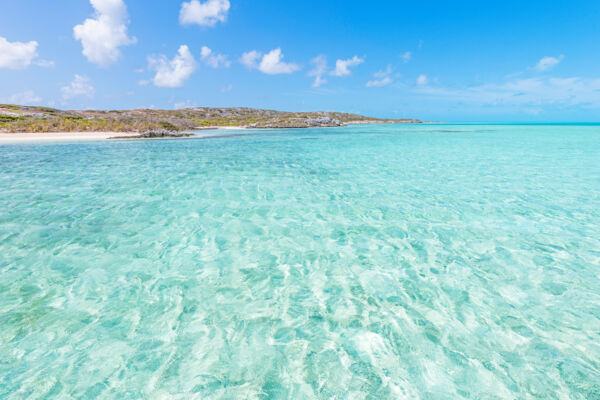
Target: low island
{"points": [[43, 122]]}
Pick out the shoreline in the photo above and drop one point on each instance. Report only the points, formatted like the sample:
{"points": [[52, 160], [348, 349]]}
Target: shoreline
{"points": [[23, 118], [48, 137], [31, 137]]}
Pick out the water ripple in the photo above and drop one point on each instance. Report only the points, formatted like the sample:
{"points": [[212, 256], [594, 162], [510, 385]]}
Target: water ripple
{"points": [[369, 262]]}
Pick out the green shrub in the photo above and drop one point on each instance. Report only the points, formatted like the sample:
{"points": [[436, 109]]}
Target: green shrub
{"points": [[7, 118], [168, 126]]}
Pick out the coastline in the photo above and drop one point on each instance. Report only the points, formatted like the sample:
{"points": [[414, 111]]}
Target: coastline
{"points": [[22, 118], [39, 137], [31, 137]]}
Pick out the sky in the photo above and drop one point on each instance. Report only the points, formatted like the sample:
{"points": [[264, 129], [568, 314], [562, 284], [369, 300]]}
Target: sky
{"points": [[481, 60]]}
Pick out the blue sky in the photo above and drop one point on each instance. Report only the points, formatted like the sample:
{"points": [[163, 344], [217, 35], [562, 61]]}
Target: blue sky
{"points": [[435, 60]]}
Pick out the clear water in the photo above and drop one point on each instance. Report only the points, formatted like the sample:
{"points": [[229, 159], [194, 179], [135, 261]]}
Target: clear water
{"points": [[431, 262]]}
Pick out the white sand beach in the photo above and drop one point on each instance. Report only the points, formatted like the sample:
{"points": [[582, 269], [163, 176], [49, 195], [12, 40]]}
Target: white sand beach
{"points": [[31, 137], [25, 137]]}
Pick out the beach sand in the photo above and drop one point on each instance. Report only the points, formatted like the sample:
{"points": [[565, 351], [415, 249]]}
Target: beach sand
{"points": [[31, 137], [26, 137]]}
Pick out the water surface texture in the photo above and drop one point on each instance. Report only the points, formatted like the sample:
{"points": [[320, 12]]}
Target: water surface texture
{"points": [[368, 262]]}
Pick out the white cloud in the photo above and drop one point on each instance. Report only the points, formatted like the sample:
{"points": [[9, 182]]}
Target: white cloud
{"points": [[44, 63], [214, 60], [319, 64], [380, 82], [227, 88], [547, 63], [17, 55], [250, 59], [172, 73], [422, 80], [80, 86], [24, 98], [271, 63], [184, 104], [532, 93], [406, 56], [342, 67], [382, 78], [102, 35], [207, 14]]}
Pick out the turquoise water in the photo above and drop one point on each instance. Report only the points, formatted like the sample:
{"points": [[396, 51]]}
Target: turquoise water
{"points": [[368, 262]]}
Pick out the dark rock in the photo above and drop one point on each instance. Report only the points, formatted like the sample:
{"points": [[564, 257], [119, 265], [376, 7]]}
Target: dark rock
{"points": [[163, 134], [156, 135]]}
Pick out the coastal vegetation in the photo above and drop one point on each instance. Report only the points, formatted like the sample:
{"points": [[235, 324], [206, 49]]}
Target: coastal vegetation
{"points": [[15, 118]]}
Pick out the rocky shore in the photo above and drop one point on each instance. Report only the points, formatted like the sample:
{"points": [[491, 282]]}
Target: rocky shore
{"points": [[160, 134]]}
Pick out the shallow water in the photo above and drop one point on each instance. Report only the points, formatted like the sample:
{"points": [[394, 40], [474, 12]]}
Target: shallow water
{"points": [[431, 262]]}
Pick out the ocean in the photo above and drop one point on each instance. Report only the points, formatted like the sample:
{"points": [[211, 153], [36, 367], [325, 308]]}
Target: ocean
{"points": [[436, 261]]}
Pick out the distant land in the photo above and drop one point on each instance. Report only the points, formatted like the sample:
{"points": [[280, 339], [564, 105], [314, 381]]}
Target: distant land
{"points": [[15, 119]]}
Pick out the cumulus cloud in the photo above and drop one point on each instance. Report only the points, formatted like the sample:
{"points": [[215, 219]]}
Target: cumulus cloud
{"points": [[208, 13], [321, 69], [382, 78], [80, 86], [102, 35], [547, 63], [23, 98], [17, 55], [319, 64], [250, 59], [422, 80], [172, 73], [342, 67], [406, 56], [270, 63], [214, 60]]}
